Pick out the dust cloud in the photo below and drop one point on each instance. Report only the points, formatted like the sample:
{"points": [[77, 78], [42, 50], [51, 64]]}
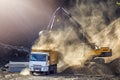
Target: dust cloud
{"points": [[110, 37], [72, 50], [99, 24], [100, 20], [25, 72]]}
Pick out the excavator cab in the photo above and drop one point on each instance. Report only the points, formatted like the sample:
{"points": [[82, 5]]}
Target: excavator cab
{"points": [[103, 51]]}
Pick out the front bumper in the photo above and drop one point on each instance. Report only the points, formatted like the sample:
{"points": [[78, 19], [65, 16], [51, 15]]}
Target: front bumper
{"points": [[39, 69]]}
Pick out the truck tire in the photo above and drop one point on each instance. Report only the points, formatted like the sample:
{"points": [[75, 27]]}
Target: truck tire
{"points": [[31, 72], [47, 73], [55, 69], [34, 73]]}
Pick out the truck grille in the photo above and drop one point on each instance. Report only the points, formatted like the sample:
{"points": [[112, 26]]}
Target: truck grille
{"points": [[37, 67]]}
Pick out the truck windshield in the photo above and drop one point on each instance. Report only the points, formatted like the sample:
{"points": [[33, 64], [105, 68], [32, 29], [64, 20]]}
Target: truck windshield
{"points": [[38, 57]]}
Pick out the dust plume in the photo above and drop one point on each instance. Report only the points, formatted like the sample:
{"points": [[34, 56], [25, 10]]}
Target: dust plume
{"points": [[100, 20], [25, 72], [94, 15], [110, 37], [94, 18], [72, 50]]}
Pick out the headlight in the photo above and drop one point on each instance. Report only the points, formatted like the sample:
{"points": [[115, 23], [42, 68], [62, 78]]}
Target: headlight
{"points": [[31, 68], [44, 68]]}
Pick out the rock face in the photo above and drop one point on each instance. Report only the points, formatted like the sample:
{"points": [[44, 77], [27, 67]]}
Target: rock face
{"points": [[115, 66], [110, 37], [12, 53]]}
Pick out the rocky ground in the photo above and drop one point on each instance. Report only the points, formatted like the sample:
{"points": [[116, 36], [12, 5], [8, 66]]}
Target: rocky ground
{"points": [[17, 76], [101, 26], [91, 71]]}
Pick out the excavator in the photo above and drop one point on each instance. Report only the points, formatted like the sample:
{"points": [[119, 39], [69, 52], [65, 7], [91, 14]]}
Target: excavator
{"points": [[99, 51]]}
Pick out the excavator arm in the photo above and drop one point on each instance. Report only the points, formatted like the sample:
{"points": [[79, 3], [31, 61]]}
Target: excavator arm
{"points": [[101, 52]]}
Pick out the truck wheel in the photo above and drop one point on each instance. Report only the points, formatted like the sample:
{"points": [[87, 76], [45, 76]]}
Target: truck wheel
{"points": [[47, 73], [55, 69], [31, 72], [34, 73]]}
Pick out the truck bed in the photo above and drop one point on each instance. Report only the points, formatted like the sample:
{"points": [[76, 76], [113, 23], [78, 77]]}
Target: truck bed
{"points": [[17, 66]]}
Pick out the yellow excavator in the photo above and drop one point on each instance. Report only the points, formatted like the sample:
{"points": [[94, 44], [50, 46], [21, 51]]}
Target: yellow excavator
{"points": [[103, 52]]}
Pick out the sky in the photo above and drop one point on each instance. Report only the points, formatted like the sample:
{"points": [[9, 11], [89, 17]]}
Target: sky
{"points": [[21, 20]]}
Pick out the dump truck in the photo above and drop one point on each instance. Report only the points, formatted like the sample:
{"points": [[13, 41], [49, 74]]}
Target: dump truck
{"points": [[43, 61]]}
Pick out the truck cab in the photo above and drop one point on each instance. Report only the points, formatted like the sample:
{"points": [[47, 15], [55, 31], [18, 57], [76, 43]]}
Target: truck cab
{"points": [[43, 61]]}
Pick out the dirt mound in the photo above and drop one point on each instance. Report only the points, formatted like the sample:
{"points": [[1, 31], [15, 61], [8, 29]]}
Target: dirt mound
{"points": [[12, 53], [110, 37], [115, 66], [89, 69]]}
